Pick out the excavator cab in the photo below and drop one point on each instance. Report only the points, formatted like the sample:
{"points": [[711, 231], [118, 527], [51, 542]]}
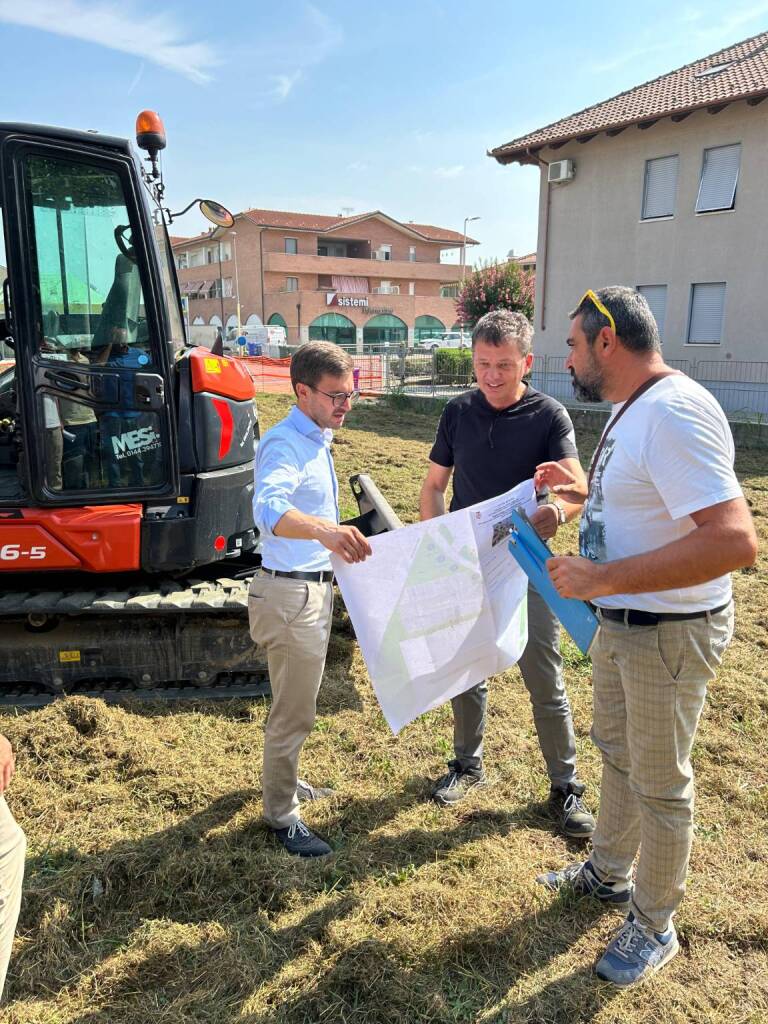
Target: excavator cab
{"points": [[90, 328], [126, 456]]}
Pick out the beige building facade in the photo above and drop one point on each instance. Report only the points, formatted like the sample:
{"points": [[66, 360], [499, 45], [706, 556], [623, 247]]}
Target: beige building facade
{"points": [[592, 232], [662, 188]]}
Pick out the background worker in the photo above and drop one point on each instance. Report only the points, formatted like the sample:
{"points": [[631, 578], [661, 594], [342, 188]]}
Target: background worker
{"points": [[664, 524], [290, 603], [490, 439]]}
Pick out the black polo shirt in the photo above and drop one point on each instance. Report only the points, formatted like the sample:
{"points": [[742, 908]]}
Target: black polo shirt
{"points": [[492, 450]]}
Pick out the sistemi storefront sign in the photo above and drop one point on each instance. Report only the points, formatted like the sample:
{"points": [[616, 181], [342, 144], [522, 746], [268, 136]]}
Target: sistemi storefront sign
{"points": [[353, 302], [346, 301]]}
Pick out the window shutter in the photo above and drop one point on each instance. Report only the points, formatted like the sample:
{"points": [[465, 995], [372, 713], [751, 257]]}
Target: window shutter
{"points": [[719, 175], [656, 297], [707, 307], [660, 187]]}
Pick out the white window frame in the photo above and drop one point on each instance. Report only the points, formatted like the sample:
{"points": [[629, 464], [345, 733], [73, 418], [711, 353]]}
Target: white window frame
{"points": [[732, 205], [643, 205], [694, 286], [412, 253], [295, 242], [288, 285]]}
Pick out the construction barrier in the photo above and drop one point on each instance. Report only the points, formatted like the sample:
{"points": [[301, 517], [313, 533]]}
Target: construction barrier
{"points": [[274, 375]]}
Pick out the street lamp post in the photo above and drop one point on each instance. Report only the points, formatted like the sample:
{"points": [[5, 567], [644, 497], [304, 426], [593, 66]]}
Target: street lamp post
{"points": [[237, 280], [221, 292], [467, 220]]}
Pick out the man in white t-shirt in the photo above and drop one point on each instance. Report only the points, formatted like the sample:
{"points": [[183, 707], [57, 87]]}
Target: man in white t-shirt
{"points": [[664, 523]]}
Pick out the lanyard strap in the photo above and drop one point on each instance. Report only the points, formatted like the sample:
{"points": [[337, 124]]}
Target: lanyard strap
{"points": [[645, 386]]}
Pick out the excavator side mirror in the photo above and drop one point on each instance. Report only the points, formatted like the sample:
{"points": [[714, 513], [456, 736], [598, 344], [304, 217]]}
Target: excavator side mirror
{"points": [[216, 213]]}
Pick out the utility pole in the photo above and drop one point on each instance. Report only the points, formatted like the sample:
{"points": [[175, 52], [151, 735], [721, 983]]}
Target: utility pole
{"points": [[221, 292], [237, 281]]}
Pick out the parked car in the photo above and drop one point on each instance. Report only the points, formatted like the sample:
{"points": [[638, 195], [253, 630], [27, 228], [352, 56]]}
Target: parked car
{"points": [[447, 339]]}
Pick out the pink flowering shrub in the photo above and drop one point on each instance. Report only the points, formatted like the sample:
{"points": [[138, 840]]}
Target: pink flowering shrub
{"points": [[496, 286]]}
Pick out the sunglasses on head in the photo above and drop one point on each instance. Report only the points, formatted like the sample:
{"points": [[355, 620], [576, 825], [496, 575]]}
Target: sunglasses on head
{"points": [[589, 294]]}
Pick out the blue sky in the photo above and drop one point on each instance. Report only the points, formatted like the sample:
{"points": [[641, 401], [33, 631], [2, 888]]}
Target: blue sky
{"points": [[332, 105]]}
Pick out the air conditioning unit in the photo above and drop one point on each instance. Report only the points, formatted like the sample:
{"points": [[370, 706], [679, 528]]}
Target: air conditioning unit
{"points": [[560, 170]]}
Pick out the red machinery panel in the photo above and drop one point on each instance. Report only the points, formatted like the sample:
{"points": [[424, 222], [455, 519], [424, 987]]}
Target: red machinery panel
{"points": [[105, 539], [222, 376]]}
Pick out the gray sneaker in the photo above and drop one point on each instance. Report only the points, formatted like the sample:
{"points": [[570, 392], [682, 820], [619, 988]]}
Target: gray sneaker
{"points": [[302, 841], [582, 880], [306, 792], [455, 784], [635, 953], [567, 807]]}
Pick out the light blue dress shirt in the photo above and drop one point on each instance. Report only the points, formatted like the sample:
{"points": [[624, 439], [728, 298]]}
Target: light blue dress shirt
{"points": [[294, 470]]}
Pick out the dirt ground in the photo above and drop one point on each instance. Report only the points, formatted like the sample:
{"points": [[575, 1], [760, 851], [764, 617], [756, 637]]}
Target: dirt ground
{"points": [[154, 893]]}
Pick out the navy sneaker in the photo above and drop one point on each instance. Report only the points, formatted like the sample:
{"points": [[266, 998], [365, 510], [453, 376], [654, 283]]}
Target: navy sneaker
{"points": [[306, 792], [635, 953], [302, 841], [567, 806], [582, 880], [455, 784]]}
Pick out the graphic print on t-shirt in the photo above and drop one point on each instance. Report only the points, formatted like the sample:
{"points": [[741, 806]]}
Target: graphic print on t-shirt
{"points": [[592, 525]]}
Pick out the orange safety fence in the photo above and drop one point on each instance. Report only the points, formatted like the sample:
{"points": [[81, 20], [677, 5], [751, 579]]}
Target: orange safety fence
{"points": [[274, 375]]}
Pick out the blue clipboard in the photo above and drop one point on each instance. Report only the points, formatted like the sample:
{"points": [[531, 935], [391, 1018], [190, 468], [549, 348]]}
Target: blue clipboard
{"points": [[531, 553]]}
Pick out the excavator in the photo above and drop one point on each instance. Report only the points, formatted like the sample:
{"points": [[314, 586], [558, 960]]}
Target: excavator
{"points": [[127, 538]]}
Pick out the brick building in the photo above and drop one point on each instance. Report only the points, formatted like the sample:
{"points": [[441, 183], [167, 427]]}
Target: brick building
{"points": [[362, 280]]}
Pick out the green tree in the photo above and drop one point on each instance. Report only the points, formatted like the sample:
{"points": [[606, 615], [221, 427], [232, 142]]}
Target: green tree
{"points": [[495, 286]]}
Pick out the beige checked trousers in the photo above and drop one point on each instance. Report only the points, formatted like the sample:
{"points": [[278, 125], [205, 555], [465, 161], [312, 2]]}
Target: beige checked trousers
{"points": [[292, 620], [650, 684], [13, 847]]}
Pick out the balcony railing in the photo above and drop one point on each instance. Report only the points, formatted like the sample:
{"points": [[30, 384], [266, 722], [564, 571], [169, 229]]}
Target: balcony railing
{"points": [[368, 256]]}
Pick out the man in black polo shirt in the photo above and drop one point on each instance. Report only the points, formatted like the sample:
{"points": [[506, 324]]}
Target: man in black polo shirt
{"points": [[491, 439]]}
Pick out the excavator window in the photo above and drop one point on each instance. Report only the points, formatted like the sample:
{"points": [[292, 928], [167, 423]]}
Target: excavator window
{"points": [[91, 331]]}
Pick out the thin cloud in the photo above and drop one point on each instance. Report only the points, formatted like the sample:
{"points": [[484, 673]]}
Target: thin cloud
{"points": [[629, 56], [156, 38], [297, 47], [449, 172], [136, 78], [284, 84], [735, 19]]}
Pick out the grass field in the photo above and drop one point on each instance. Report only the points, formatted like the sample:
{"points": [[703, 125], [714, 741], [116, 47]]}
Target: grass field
{"points": [[155, 894]]}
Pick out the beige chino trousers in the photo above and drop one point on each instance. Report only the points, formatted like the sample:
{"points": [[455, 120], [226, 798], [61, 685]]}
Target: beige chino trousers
{"points": [[650, 684], [13, 848], [292, 620]]}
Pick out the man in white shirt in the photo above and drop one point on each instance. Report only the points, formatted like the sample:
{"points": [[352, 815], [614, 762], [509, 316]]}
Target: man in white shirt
{"points": [[664, 524]]}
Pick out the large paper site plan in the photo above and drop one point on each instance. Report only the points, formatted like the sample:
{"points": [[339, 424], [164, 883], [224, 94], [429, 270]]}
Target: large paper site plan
{"points": [[439, 606]]}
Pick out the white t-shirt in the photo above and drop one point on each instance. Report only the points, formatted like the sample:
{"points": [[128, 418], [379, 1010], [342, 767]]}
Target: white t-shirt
{"points": [[669, 455]]}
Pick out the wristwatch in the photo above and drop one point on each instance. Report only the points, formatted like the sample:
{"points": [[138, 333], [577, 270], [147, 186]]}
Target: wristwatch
{"points": [[561, 517]]}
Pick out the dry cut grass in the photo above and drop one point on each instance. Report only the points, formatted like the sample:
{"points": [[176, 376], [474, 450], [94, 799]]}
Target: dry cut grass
{"points": [[154, 893]]}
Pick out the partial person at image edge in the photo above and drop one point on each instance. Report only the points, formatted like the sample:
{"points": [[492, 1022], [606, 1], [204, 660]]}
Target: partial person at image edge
{"points": [[13, 848]]}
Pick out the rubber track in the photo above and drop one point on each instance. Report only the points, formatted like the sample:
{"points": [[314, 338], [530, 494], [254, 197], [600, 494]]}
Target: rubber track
{"points": [[168, 596]]}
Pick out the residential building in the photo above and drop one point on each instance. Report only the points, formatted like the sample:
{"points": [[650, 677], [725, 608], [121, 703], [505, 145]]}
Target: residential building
{"points": [[527, 263], [359, 280], [662, 187]]}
